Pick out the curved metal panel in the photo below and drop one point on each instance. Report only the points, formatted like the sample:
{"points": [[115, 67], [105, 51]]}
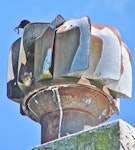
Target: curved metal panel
{"points": [[13, 91], [43, 54], [118, 87], [66, 45], [109, 65]]}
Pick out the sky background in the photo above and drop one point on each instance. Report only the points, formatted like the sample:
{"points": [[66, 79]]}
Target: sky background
{"points": [[18, 132]]}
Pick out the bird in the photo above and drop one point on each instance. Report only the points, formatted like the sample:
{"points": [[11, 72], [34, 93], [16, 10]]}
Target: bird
{"points": [[22, 24], [27, 79]]}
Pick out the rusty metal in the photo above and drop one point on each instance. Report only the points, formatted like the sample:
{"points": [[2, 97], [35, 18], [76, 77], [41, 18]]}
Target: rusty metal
{"points": [[68, 74], [80, 106]]}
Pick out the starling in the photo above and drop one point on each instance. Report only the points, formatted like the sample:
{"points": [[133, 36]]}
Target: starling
{"points": [[22, 24]]}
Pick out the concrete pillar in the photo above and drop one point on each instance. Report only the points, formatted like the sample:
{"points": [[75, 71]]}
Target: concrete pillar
{"points": [[116, 135]]}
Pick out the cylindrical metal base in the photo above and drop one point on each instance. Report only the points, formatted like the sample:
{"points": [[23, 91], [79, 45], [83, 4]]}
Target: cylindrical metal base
{"points": [[67, 109], [72, 121]]}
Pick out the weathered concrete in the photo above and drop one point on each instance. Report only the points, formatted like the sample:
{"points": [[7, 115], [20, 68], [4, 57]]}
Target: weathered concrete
{"points": [[116, 135]]}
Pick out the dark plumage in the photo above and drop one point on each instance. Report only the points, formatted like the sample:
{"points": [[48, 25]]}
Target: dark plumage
{"points": [[22, 24]]}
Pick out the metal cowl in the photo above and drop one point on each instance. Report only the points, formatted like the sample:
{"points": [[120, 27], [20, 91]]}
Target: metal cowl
{"points": [[68, 75]]}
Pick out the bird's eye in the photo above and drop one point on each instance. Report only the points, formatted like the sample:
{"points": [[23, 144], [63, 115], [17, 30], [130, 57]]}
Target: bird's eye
{"points": [[27, 79]]}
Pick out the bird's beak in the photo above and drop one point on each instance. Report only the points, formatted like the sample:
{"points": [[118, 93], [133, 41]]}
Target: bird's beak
{"points": [[16, 29]]}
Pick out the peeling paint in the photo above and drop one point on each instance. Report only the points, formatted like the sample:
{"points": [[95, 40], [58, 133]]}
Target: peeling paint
{"points": [[104, 112]]}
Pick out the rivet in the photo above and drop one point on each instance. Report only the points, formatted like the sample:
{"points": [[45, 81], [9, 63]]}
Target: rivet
{"points": [[88, 101]]}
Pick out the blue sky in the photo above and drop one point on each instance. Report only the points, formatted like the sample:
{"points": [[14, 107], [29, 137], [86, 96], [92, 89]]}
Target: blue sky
{"points": [[18, 132]]}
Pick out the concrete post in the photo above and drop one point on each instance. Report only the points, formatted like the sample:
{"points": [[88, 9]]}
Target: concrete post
{"points": [[116, 135]]}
